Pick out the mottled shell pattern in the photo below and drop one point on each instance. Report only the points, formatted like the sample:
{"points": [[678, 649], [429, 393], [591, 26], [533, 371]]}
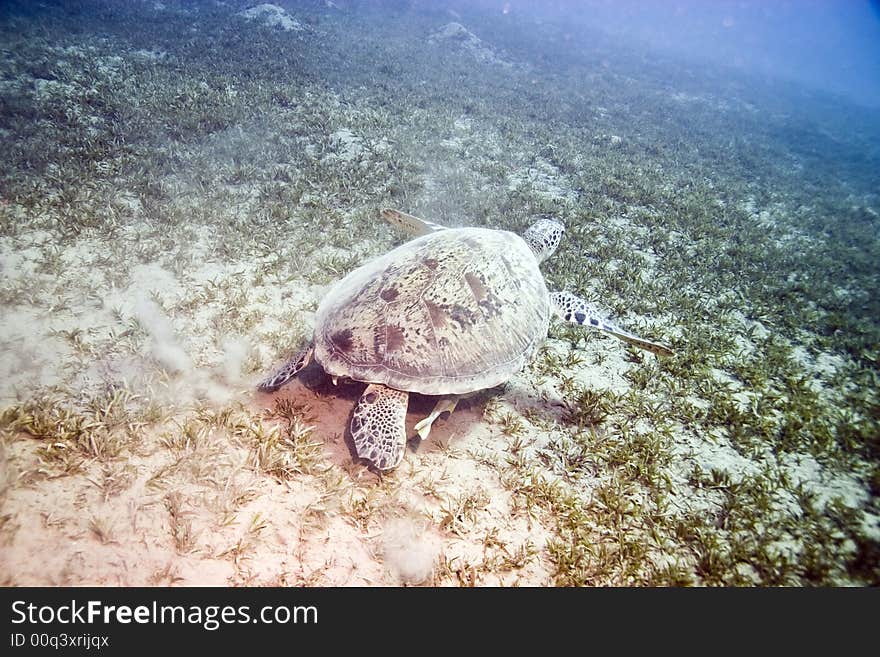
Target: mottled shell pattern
{"points": [[450, 312]]}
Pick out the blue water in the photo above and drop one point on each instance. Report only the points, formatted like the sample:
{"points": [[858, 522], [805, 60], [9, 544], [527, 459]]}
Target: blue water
{"points": [[833, 45]]}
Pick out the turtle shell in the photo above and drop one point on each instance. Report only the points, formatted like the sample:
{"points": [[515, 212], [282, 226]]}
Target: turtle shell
{"points": [[450, 312]]}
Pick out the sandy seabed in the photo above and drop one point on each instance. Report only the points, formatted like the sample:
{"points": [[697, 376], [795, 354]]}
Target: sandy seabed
{"points": [[156, 265]]}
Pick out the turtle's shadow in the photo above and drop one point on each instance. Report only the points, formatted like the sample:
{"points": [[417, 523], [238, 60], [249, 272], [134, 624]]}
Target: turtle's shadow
{"points": [[346, 394], [468, 413], [420, 406]]}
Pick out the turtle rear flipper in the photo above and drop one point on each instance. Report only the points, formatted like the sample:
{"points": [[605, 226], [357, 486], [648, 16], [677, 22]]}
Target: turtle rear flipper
{"points": [[572, 308], [445, 405], [287, 371], [378, 425], [410, 224]]}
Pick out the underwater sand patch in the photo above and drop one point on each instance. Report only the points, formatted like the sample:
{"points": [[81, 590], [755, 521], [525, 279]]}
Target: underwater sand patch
{"points": [[457, 35], [272, 16]]}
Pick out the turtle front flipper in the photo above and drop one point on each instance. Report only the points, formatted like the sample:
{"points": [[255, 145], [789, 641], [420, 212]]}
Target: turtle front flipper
{"points": [[410, 224], [378, 425], [289, 370], [572, 308]]}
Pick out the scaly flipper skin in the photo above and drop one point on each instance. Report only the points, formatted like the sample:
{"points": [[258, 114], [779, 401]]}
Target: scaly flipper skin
{"points": [[572, 308], [410, 224], [378, 426], [289, 370]]}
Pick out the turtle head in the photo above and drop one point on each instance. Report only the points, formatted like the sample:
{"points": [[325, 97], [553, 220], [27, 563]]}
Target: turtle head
{"points": [[543, 237]]}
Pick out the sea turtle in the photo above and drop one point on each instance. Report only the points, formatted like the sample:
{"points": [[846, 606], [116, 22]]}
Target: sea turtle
{"points": [[450, 312]]}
